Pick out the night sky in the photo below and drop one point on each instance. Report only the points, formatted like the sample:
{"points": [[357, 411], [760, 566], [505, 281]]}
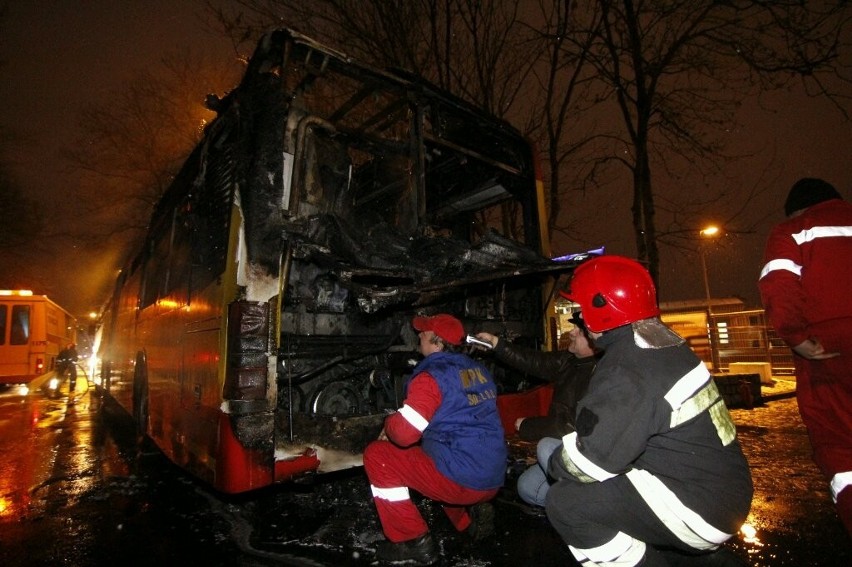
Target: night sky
{"points": [[59, 55]]}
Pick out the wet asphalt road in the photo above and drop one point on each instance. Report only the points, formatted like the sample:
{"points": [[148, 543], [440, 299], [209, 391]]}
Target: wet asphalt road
{"points": [[78, 488]]}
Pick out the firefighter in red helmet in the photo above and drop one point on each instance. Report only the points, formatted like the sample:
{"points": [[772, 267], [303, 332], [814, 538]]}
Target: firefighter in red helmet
{"points": [[654, 468]]}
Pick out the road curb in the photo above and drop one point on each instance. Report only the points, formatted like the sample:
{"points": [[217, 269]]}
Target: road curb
{"points": [[36, 383], [780, 390]]}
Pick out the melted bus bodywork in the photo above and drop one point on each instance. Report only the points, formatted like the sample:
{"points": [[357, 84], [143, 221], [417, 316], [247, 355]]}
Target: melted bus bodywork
{"points": [[263, 330]]}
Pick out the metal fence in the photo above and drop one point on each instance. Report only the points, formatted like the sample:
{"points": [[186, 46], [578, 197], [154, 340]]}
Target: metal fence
{"points": [[744, 337]]}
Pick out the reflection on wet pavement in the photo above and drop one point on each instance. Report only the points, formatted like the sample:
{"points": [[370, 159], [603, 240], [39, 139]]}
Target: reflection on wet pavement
{"points": [[76, 485], [792, 514]]}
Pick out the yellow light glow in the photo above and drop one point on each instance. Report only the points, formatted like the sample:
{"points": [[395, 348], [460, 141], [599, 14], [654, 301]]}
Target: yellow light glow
{"points": [[750, 534], [25, 292], [710, 231]]}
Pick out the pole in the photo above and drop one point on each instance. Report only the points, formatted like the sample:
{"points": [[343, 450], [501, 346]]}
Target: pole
{"points": [[711, 323]]}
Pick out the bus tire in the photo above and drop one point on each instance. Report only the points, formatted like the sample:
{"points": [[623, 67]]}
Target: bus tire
{"points": [[140, 395], [336, 398]]}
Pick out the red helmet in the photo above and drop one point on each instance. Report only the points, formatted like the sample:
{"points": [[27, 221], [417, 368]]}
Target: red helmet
{"points": [[613, 291]]}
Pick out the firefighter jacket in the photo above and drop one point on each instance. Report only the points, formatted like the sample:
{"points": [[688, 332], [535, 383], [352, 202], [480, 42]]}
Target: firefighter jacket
{"points": [[67, 356], [656, 416], [807, 277], [805, 286], [463, 435], [570, 376]]}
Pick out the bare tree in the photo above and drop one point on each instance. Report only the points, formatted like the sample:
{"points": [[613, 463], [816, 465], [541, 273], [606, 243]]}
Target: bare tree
{"points": [[21, 219], [477, 50], [651, 86], [131, 148], [22, 225], [676, 71], [564, 95]]}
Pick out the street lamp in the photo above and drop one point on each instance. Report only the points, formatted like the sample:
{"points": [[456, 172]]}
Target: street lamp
{"points": [[709, 232]]}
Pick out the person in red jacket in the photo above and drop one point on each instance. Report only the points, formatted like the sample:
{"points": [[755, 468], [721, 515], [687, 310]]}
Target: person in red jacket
{"points": [[805, 287], [446, 442]]}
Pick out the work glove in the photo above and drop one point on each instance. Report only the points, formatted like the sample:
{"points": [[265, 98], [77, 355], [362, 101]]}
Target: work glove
{"points": [[556, 466]]}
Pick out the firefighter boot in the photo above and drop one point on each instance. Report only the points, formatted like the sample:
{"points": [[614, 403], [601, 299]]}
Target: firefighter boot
{"points": [[481, 521], [721, 557], [418, 551]]}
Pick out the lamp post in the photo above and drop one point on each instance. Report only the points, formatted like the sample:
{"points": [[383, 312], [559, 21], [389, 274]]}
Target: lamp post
{"points": [[709, 232]]}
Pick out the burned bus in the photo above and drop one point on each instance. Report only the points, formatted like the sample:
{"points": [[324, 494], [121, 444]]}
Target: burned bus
{"points": [[263, 329]]}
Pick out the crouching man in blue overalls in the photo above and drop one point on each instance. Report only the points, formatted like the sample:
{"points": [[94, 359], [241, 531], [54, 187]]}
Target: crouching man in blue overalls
{"points": [[446, 443]]}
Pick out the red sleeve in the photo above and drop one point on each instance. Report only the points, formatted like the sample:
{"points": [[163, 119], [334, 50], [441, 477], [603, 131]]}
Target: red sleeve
{"points": [[406, 426], [781, 289]]}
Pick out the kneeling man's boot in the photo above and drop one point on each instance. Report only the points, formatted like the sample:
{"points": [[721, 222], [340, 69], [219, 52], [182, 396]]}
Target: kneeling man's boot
{"points": [[418, 551]]}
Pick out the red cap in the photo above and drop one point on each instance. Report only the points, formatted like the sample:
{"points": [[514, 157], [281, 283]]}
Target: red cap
{"points": [[445, 326]]}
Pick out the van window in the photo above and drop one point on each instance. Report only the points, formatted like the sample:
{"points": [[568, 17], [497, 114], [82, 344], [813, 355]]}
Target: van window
{"points": [[3, 313], [20, 334]]}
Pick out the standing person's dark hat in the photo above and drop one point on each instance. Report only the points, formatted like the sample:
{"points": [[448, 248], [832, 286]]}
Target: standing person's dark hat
{"points": [[807, 192]]}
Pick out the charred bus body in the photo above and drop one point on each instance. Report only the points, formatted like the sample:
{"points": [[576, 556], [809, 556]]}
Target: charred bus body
{"points": [[263, 331]]}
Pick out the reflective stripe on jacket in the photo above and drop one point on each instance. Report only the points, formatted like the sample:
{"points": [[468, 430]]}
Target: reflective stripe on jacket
{"points": [[807, 274], [656, 416]]}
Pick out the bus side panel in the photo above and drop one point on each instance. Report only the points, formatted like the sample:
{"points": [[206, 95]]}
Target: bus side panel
{"points": [[122, 345], [160, 327], [196, 406], [179, 345], [185, 414]]}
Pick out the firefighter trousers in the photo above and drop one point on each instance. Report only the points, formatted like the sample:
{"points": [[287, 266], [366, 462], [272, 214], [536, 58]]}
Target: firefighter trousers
{"points": [[393, 471], [824, 392], [608, 523]]}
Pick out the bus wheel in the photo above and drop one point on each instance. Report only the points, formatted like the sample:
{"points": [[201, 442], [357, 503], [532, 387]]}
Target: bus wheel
{"points": [[336, 398], [140, 396]]}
